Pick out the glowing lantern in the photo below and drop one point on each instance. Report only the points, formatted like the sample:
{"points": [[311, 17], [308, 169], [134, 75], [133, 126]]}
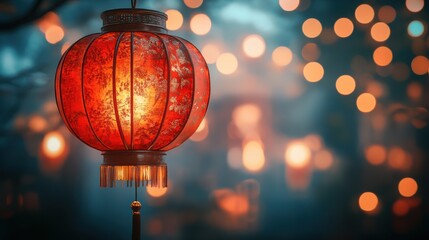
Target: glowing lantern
{"points": [[132, 92]]}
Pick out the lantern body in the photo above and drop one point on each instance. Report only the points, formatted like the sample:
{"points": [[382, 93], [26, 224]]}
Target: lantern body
{"points": [[132, 93]]}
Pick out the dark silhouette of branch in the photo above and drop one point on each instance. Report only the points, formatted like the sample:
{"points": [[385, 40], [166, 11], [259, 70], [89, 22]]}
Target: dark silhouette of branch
{"points": [[31, 15]]}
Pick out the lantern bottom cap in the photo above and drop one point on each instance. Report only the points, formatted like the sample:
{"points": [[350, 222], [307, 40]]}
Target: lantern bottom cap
{"points": [[139, 168]]}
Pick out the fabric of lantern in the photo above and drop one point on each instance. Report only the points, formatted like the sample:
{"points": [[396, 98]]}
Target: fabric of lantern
{"points": [[132, 90]]}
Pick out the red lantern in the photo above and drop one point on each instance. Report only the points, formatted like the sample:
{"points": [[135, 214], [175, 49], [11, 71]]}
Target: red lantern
{"points": [[132, 92]]}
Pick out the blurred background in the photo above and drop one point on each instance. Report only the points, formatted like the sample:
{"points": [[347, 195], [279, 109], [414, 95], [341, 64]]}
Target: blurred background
{"points": [[317, 125]]}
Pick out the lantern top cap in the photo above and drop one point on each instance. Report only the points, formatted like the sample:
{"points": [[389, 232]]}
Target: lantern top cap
{"points": [[133, 20]]}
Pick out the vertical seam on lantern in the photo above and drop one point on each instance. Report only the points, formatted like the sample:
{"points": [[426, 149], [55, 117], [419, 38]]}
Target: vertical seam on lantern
{"points": [[168, 92], [208, 75], [115, 102], [62, 112], [83, 91], [61, 94], [193, 94], [132, 88]]}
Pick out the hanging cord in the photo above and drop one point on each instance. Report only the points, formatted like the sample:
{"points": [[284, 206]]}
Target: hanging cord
{"points": [[133, 3], [136, 206]]}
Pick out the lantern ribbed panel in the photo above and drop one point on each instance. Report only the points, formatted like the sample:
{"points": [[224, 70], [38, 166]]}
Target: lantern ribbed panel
{"points": [[132, 90]]}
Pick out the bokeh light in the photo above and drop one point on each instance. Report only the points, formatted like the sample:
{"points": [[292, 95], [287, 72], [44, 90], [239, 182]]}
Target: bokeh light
{"points": [[420, 65], [175, 19], [254, 46], [282, 56], [289, 5], [200, 24], [380, 32], [53, 151], [415, 28], [311, 28], [407, 187], [310, 52], [53, 145], [193, 3], [232, 203], [246, 117], [343, 27], [226, 63], [54, 34], [401, 207], [386, 14], [253, 156], [202, 131], [366, 102], [345, 84], [398, 158], [313, 71], [210, 52], [37, 124], [376, 154], [156, 192], [368, 201], [414, 5], [297, 155], [323, 160], [382, 56], [364, 13]]}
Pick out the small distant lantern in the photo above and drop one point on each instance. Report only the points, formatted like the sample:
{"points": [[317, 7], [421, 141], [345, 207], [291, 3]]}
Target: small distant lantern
{"points": [[132, 92]]}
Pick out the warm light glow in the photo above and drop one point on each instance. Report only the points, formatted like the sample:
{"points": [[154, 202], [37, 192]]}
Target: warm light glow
{"points": [[314, 142], [380, 32], [202, 132], [401, 207], [234, 157], [193, 3], [420, 65], [407, 187], [313, 71], [297, 155], [310, 52], [253, 156], [387, 14], [226, 63], [343, 27], [49, 19], [311, 28], [382, 56], [415, 28], [232, 203], [53, 145], [375, 154], [368, 201], [200, 24], [345, 84], [54, 34], [175, 19], [414, 91], [211, 53], [37, 124], [364, 13], [156, 192], [414, 5], [366, 102], [398, 158], [323, 160], [289, 5], [282, 56], [254, 46], [246, 117]]}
